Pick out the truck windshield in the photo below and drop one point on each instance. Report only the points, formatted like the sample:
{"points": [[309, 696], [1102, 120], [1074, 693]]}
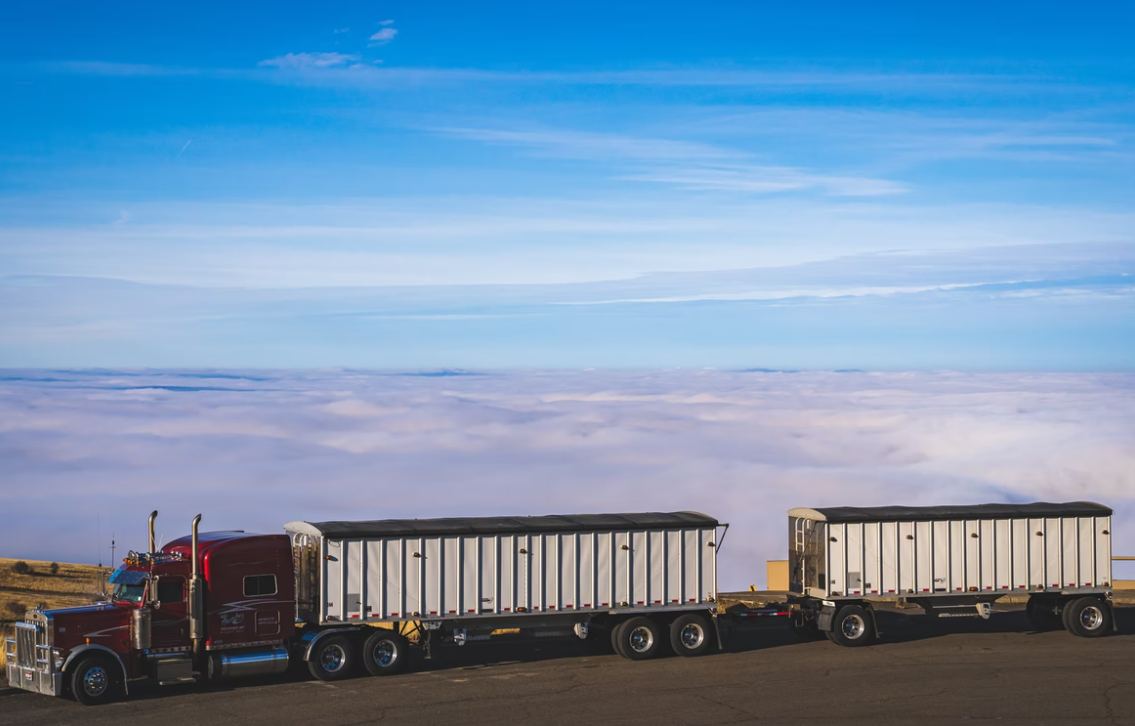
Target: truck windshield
{"points": [[128, 585]]}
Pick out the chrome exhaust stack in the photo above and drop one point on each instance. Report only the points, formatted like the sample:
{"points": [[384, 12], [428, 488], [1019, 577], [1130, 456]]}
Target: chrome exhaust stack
{"points": [[196, 599], [153, 545]]}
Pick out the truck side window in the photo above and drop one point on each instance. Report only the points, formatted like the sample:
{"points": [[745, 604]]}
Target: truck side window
{"points": [[171, 589], [259, 585]]}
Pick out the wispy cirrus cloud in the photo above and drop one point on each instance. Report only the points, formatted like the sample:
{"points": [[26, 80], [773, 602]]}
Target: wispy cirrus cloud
{"points": [[304, 61], [685, 164]]}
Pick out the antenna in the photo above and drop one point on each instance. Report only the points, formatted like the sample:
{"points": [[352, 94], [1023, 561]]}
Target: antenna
{"points": [[112, 560]]}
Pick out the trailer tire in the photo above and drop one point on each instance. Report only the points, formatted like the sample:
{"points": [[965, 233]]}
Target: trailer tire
{"points": [[1041, 614], [96, 680], [638, 639], [852, 626], [1088, 617], [331, 659], [690, 635]]}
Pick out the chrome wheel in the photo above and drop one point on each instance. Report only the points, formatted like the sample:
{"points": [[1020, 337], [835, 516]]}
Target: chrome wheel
{"points": [[1091, 618], [853, 627], [641, 639], [95, 681], [692, 635], [384, 653], [332, 658]]}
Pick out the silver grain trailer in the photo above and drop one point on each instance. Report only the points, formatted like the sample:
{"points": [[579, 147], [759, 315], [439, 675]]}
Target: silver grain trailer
{"points": [[951, 561], [644, 580]]}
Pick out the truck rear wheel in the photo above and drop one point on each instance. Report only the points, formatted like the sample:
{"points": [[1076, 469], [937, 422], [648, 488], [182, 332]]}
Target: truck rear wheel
{"points": [[1087, 617], [96, 680], [385, 652], [852, 626], [638, 639], [331, 658], [689, 635], [1042, 614]]}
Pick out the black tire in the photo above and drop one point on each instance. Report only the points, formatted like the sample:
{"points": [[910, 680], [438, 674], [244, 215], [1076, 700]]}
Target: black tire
{"points": [[1042, 614], [332, 658], [1088, 617], [852, 627], [95, 680], [690, 635], [616, 632], [638, 639], [385, 652]]}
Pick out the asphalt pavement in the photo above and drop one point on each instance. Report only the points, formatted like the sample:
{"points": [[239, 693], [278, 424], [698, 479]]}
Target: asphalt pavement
{"points": [[922, 672]]}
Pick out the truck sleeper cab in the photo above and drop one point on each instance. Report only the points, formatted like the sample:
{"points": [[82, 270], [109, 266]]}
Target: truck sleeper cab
{"points": [[951, 561]]}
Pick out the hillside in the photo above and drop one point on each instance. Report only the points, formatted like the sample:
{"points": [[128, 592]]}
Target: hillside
{"points": [[72, 585]]}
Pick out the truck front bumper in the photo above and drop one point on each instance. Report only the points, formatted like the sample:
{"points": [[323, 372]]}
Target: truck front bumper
{"points": [[33, 668]]}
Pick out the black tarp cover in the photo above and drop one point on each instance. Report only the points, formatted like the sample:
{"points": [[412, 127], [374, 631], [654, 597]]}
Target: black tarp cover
{"points": [[505, 525], [954, 512]]}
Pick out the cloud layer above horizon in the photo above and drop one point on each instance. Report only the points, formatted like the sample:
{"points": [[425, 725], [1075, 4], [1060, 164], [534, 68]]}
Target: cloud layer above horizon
{"points": [[90, 453]]}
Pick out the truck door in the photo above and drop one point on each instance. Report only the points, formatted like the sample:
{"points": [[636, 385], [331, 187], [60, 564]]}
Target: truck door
{"points": [[171, 615]]}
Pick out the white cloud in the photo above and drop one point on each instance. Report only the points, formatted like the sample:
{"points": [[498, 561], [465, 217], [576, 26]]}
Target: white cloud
{"points": [[253, 450], [383, 36], [304, 61]]}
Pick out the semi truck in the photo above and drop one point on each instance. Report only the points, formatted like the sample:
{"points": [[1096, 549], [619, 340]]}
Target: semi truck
{"points": [[342, 597]]}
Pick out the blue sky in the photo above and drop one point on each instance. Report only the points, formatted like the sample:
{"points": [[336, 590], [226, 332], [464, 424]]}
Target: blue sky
{"points": [[826, 185]]}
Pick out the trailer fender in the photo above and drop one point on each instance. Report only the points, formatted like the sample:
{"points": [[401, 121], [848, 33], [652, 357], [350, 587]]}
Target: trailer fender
{"points": [[824, 617], [73, 657], [308, 641], [874, 621]]}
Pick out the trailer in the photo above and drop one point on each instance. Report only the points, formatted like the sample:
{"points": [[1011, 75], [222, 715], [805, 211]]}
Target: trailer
{"points": [[950, 561], [643, 580]]}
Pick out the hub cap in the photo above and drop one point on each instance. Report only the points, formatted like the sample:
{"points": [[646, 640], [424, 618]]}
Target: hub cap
{"points": [[641, 639], [384, 653], [1091, 618], [853, 627], [95, 682], [692, 635], [332, 658]]}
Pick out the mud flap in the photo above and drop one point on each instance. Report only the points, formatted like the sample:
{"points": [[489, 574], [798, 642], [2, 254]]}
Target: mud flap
{"points": [[824, 619]]}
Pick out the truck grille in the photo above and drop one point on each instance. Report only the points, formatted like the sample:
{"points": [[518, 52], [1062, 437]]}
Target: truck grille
{"points": [[25, 644]]}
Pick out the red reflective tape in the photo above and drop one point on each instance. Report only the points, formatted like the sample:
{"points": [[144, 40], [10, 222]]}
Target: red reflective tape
{"points": [[639, 602], [452, 611], [675, 600], [874, 592], [508, 610], [692, 600], [603, 604], [433, 612], [393, 615], [957, 588], [890, 590], [658, 601], [586, 604], [472, 611], [926, 589], [569, 606]]}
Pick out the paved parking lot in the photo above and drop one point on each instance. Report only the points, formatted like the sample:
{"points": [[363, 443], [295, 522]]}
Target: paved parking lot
{"points": [[924, 672]]}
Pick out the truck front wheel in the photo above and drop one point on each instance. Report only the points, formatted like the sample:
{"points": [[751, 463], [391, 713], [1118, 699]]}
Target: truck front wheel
{"points": [[385, 652], [331, 658], [1087, 617], [96, 680], [852, 626]]}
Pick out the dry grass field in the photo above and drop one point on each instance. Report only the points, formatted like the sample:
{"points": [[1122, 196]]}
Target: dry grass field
{"points": [[71, 585]]}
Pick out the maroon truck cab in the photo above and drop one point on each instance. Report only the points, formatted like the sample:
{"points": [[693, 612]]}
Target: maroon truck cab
{"points": [[167, 620]]}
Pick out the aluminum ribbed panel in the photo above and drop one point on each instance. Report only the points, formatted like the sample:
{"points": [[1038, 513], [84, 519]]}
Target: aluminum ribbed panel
{"points": [[924, 558], [470, 576]]}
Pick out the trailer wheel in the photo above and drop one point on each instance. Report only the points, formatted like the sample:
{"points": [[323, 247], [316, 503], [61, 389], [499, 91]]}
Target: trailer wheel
{"points": [[331, 658], [385, 652], [689, 635], [638, 639], [851, 627], [1042, 614], [1087, 617], [616, 633], [96, 680]]}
